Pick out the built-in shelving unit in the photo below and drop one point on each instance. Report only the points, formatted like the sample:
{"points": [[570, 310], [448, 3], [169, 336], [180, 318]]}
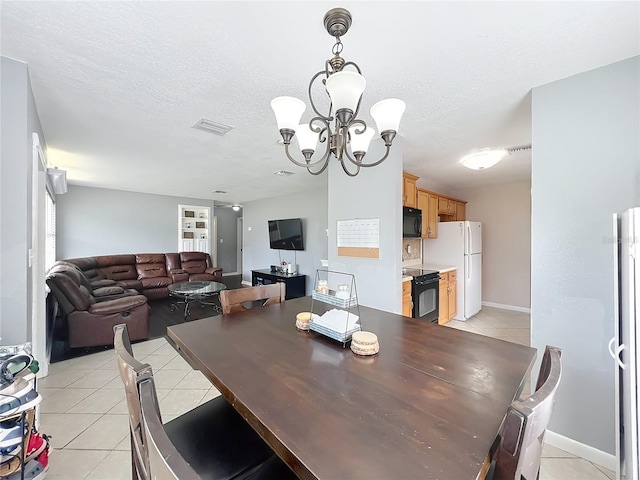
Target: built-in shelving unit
{"points": [[194, 228]]}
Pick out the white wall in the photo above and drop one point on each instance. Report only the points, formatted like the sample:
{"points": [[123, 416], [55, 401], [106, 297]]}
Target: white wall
{"points": [[311, 207], [99, 221], [586, 166], [375, 193], [19, 120], [505, 213]]}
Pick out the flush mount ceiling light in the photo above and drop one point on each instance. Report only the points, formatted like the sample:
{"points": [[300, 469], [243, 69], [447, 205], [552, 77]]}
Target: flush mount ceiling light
{"points": [[340, 126], [488, 157]]}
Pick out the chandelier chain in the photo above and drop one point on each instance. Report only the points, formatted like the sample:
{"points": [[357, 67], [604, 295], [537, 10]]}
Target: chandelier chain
{"points": [[337, 48]]}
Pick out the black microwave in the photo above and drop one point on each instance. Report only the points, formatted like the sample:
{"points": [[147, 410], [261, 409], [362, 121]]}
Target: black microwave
{"points": [[411, 222]]}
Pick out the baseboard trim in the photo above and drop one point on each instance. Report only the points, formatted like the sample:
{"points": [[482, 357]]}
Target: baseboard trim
{"points": [[226, 274], [507, 307], [581, 450], [246, 282]]}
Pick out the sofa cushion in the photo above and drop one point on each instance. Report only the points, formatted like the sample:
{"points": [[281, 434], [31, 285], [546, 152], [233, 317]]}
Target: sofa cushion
{"points": [[150, 265], [120, 272], [194, 262], [155, 282]]}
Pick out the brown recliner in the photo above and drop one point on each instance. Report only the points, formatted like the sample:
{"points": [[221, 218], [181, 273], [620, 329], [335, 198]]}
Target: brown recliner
{"points": [[199, 267], [91, 323]]}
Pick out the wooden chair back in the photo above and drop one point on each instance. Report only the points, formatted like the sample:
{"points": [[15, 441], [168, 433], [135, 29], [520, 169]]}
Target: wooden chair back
{"points": [[232, 300], [521, 437], [131, 371], [165, 462]]}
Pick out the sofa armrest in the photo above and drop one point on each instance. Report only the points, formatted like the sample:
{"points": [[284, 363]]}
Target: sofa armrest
{"points": [[178, 275], [117, 305], [214, 271], [104, 291], [103, 283]]}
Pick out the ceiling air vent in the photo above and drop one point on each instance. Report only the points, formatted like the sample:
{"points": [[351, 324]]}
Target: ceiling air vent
{"points": [[219, 191], [283, 173], [210, 126]]}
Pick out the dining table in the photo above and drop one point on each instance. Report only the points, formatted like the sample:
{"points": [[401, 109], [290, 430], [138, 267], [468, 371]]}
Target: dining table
{"points": [[427, 406]]}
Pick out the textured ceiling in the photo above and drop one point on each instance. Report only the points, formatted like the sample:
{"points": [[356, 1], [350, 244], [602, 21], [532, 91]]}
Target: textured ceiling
{"points": [[118, 85]]}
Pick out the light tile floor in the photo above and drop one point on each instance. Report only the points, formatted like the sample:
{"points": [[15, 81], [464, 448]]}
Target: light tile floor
{"points": [[84, 411]]}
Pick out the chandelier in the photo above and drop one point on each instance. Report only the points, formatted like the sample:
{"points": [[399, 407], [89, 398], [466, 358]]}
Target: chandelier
{"points": [[345, 136]]}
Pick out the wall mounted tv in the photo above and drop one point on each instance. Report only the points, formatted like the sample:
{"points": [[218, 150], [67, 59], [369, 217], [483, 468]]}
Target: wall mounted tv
{"points": [[286, 234]]}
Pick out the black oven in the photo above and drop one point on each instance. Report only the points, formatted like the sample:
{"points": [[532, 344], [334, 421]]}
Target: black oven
{"points": [[425, 294]]}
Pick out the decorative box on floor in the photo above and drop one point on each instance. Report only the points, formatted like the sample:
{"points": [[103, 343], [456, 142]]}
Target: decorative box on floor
{"points": [[334, 303]]}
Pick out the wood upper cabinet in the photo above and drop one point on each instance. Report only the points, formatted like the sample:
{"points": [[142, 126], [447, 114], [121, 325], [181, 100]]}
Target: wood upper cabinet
{"points": [[461, 212], [446, 206], [409, 190], [407, 304], [428, 203]]}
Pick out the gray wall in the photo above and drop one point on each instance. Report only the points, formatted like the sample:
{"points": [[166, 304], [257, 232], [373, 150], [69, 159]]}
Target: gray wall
{"points": [[19, 121], [505, 213], [227, 222], [375, 193], [311, 207], [99, 221], [586, 166]]}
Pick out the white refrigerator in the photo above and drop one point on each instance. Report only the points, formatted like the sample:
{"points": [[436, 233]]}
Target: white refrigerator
{"points": [[624, 345], [459, 244]]}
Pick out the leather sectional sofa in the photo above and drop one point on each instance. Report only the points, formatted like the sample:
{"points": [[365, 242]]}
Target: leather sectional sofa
{"points": [[149, 273], [96, 293]]}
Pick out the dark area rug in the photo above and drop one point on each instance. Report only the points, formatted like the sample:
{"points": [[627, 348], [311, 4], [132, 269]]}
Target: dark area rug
{"points": [[161, 316]]}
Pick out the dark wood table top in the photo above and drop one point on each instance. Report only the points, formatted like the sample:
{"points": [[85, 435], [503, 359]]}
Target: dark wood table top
{"points": [[428, 405]]}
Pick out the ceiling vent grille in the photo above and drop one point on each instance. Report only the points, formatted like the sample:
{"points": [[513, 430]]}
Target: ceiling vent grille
{"points": [[210, 126], [283, 173]]}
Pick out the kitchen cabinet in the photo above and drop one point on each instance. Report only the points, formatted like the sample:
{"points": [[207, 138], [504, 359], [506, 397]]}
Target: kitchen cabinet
{"points": [[446, 206], [428, 203], [448, 296], [409, 190], [407, 304], [461, 212]]}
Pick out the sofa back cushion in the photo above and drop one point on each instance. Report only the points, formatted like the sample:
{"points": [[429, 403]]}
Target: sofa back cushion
{"points": [[68, 290], [173, 261], [150, 265], [117, 267], [195, 262]]}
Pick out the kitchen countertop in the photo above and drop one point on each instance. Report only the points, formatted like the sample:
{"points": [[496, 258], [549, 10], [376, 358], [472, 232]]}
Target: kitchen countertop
{"points": [[439, 268], [427, 266]]}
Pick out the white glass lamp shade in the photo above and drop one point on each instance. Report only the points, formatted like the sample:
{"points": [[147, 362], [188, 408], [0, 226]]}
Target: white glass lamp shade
{"points": [[387, 114], [345, 90], [360, 143], [307, 139], [483, 159], [288, 111]]}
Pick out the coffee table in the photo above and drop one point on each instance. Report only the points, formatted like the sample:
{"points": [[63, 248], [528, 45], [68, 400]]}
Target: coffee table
{"points": [[201, 291]]}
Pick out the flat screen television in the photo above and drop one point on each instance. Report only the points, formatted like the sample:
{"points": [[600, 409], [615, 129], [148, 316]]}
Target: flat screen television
{"points": [[286, 234]]}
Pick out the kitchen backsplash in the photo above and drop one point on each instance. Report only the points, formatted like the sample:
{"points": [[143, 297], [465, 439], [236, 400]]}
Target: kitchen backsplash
{"points": [[415, 249]]}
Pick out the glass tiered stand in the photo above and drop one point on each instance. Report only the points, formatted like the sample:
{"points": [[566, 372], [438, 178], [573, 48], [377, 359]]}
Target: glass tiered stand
{"points": [[335, 294]]}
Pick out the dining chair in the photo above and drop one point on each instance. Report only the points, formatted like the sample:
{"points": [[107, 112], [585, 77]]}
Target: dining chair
{"points": [[212, 441], [518, 448], [232, 300]]}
